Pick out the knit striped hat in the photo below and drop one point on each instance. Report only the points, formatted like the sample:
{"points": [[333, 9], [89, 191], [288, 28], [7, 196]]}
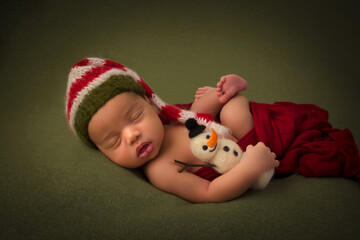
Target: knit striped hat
{"points": [[94, 81]]}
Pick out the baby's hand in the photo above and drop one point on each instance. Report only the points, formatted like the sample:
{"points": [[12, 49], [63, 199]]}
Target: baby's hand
{"points": [[260, 158]]}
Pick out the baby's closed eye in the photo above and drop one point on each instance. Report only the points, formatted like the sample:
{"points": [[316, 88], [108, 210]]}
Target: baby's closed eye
{"points": [[136, 115], [115, 141], [111, 142]]}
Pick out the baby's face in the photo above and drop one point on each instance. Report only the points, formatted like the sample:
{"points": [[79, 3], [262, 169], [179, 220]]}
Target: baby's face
{"points": [[128, 130]]}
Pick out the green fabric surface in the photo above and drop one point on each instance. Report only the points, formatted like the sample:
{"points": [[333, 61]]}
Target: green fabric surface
{"points": [[52, 186]]}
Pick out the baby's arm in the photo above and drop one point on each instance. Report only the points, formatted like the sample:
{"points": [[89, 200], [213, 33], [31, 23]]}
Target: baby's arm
{"points": [[231, 185]]}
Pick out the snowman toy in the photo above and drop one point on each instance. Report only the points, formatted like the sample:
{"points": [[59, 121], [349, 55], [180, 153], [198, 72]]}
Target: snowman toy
{"points": [[220, 153]]}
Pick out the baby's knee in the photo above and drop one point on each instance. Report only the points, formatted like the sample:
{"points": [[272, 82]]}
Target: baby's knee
{"points": [[238, 103], [236, 113]]}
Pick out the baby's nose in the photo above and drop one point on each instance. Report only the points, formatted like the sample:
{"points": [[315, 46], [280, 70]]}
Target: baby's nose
{"points": [[132, 135]]}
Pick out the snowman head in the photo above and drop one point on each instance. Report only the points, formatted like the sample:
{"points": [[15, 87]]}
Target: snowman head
{"points": [[203, 144]]}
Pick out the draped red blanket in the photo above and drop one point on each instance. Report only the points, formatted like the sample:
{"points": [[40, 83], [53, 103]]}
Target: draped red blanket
{"points": [[303, 140]]}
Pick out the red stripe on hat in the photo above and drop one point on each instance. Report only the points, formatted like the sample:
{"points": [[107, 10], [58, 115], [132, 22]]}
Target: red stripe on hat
{"points": [[84, 62], [148, 90], [172, 113], [82, 82], [205, 116], [112, 64]]}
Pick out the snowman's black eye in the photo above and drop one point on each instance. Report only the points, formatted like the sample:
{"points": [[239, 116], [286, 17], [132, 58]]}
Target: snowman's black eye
{"points": [[236, 153], [207, 136], [205, 147], [226, 148]]}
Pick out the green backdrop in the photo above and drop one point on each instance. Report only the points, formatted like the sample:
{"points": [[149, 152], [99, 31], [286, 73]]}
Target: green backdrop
{"points": [[54, 187]]}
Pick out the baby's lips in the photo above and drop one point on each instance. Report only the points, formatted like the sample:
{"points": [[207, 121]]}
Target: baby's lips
{"points": [[144, 149]]}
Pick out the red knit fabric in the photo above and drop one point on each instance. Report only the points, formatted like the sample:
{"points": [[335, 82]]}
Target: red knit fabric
{"points": [[204, 116], [148, 90], [83, 62], [172, 113], [112, 64], [303, 140]]}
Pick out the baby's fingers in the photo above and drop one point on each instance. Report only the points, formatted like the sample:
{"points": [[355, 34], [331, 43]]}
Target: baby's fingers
{"points": [[277, 163], [249, 147]]}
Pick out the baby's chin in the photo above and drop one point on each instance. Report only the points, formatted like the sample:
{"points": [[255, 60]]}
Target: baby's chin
{"points": [[139, 162]]}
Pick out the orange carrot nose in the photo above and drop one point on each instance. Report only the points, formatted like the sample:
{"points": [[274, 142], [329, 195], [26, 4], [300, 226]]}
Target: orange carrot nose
{"points": [[213, 139]]}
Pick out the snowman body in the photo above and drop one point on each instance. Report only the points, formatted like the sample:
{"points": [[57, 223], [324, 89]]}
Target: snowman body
{"points": [[224, 154]]}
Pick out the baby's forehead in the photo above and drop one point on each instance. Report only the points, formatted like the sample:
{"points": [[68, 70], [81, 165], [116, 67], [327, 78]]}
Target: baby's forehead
{"points": [[133, 94], [129, 96]]}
